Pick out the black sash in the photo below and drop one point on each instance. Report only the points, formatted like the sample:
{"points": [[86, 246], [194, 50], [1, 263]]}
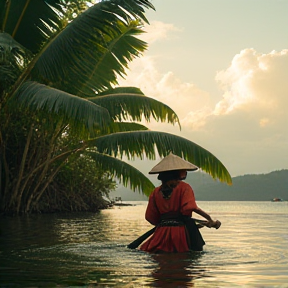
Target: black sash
{"points": [[193, 235]]}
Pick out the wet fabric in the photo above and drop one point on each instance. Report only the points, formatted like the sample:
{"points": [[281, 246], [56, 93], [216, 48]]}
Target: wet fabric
{"points": [[179, 238]]}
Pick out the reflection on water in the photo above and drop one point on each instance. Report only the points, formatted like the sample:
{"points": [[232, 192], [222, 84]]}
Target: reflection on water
{"points": [[178, 270], [89, 250]]}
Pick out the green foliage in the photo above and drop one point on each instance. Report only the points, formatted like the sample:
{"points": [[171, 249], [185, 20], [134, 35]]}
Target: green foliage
{"points": [[83, 175], [139, 144], [127, 174], [63, 118], [120, 102], [77, 111], [32, 24]]}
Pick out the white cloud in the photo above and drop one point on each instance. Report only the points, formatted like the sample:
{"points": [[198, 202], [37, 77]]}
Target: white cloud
{"points": [[254, 86], [256, 83], [253, 77], [247, 127], [158, 30], [251, 118], [180, 96]]}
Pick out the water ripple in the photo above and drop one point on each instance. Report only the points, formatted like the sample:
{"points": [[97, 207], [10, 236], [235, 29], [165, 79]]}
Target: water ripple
{"points": [[89, 250]]}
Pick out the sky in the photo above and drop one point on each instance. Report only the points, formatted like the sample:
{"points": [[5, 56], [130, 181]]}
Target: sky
{"points": [[222, 66]]}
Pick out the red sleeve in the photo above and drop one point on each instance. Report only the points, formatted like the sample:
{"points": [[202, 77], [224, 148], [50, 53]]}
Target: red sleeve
{"points": [[152, 214], [188, 203]]}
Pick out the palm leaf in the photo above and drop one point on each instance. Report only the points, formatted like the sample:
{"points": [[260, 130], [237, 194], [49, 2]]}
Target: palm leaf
{"points": [[79, 111], [13, 59], [137, 144], [128, 175], [135, 8], [30, 22], [129, 103], [92, 49], [115, 127]]}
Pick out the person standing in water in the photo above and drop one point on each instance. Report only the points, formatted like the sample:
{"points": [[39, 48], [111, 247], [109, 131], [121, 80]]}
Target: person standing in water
{"points": [[170, 209]]}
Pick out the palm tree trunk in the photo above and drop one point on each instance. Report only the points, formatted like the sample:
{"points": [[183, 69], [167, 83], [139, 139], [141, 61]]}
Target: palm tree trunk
{"points": [[4, 174], [47, 156], [40, 193], [4, 186], [21, 170]]}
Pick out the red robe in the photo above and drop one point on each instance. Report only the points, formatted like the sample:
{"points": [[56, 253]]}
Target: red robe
{"points": [[169, 238]]}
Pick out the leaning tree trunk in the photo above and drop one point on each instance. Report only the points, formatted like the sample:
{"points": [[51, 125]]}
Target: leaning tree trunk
{"points": [[17, 195]]}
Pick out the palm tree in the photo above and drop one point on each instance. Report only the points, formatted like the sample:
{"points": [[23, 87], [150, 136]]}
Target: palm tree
{"points": [[59, 99]]}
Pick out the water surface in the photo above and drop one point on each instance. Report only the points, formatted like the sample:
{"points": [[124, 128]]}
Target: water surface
{"points": [[89, 250]]}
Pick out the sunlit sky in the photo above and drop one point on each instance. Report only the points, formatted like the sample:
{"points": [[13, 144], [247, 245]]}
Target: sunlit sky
{"points": [[222, 66]]}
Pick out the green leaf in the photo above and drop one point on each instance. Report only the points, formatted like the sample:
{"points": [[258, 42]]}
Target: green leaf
{"points": [[128, 175], [78, 111], [28, 21], [92, 50], [122, 104], [115, 127], [137, 144]]}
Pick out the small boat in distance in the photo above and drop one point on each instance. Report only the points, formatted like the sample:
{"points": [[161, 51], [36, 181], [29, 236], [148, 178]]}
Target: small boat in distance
{"points": [[277, 200]]}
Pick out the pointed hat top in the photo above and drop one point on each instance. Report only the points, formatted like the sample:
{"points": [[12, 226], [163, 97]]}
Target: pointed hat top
{"points": [[172, 162]]}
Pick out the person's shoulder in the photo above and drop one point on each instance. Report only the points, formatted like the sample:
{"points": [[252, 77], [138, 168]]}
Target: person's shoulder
{"points": [[185, 186], [156, 190]]}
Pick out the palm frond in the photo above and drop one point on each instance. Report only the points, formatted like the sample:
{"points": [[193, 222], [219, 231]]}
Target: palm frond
{"points": [[89, 53], [30, 22], [135, 8], [116, 127], [12, 61], [79, 111], [129, 103], [138, 144], [128, 175]]}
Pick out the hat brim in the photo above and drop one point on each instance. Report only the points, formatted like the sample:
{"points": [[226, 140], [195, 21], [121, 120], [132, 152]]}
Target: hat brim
{"points": [[173, 162]]}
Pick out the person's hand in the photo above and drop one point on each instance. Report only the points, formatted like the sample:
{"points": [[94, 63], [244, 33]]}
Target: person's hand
{"points": [[210, 223], [217, 224], [213, 224]]}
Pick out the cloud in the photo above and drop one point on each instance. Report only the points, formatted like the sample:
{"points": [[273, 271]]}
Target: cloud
{"points": [[245, 126], [253, 78], [166, 87], [157, 31], [253, 83], [254, 86]]}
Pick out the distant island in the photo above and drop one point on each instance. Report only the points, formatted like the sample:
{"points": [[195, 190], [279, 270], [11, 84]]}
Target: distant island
{"points": [[252, 187]]}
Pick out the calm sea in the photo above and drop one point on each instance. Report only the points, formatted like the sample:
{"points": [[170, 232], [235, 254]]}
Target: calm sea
{"points": [[89, 250]]}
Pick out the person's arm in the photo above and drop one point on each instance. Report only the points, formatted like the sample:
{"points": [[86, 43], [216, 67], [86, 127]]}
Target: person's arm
{"points": [[189, 205], [152, 214], [211, 223], [202, 213]]}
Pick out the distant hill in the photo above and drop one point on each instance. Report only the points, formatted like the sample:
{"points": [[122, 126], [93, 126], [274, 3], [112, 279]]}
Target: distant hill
{"points": [[254, 187]]}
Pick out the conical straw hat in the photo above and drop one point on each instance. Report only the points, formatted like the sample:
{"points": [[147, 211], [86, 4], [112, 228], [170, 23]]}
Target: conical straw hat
{"points": [[172, 162]]}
